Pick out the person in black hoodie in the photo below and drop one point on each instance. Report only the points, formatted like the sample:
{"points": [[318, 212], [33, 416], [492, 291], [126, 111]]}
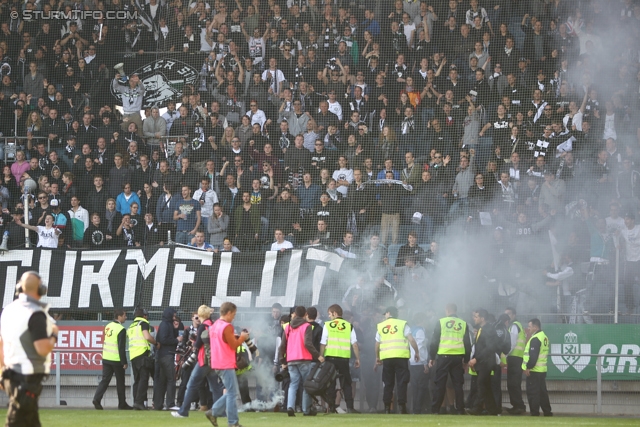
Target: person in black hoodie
{"points": [[483, 362], [164, 382]]}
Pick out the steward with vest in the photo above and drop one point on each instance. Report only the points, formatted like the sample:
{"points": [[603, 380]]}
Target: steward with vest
{"points": [[27, 337], [298, 354], [534, 365], [393, 338], [142, 363], [514, 363], [451, 349], [114, 360], [338, 336], [200, 360], [245, 354]]}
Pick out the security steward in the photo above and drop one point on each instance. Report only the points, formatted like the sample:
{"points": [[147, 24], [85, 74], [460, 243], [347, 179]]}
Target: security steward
{"points": [[27, 337], [114, 360], [392, 352], [140, 342], [452, 345], [484, 362], [338, 336], [534, 365], [514, 363]]}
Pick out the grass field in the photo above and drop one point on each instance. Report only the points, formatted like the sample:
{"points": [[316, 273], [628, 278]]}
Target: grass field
{"points": [[90, 418]]}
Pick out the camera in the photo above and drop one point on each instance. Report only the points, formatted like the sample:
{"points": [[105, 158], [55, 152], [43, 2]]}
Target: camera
{"points": [[191, 360], [282, 375]]}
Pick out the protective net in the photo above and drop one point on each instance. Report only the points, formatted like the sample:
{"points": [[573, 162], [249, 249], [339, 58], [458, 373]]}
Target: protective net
{"points": [[403, 155]]}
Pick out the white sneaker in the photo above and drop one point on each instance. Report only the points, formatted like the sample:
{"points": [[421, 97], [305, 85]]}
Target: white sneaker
{"points": [[193, 406], [340, 410], [174, 408], [175, 414]]}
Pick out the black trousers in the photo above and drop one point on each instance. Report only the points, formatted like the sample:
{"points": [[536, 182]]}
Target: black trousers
{"points": [[342, 367], [395, 370], [473, 391], [165, 383], [514, 382], [108, 370], [23, 392], [484, 398], [496, 387], [370, 381], [445, 366], [141, 376], [243, 386], [419, 387], [537, 393]]}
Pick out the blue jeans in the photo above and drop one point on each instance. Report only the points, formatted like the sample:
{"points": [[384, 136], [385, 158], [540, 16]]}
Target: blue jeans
{"points": [[299, 373], [184, 237], [228, 401], [193, 386]]}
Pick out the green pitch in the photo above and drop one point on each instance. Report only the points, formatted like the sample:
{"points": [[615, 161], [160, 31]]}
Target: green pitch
{"points": [[89, 418]]}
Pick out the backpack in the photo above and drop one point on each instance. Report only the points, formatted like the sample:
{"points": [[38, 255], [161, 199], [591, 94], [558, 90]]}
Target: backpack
{"points": [[206, 343], [504, 338], [319, 379]]}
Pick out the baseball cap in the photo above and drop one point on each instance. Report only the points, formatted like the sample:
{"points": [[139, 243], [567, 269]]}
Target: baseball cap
{"points": [[393, 311], [54, 202], [522, 59]]}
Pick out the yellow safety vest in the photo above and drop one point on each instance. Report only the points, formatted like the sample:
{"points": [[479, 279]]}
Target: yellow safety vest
{"points": [[518, 350], [339, 338], [241, 349], [110, 344], [393, 343], [452, 331], [541, 363], [138, 344]]}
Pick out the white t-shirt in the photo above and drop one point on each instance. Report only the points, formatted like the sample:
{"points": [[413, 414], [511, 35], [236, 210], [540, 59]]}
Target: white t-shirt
{"points": [[336, 109], [325, 336], [345, 175], [632, 240], [277, 77], [47, 237], [421, 340], [275, 246], [408, 30], [577, 120], [614, 224]]}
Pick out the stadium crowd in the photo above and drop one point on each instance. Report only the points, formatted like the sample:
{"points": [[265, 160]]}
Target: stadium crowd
{"points": [[328, 121]]}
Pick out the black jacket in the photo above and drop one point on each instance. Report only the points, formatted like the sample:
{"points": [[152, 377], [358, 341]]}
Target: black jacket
{"points": [[487, 346], [167, 336]]}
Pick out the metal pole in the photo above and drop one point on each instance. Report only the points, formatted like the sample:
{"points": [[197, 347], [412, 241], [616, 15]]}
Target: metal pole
{"points": [[617, 283], [57, 359], [599, 384], [27, 240]]}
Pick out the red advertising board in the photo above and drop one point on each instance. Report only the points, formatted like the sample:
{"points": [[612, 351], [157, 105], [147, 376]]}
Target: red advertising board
{"points": [[79, 348]]}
